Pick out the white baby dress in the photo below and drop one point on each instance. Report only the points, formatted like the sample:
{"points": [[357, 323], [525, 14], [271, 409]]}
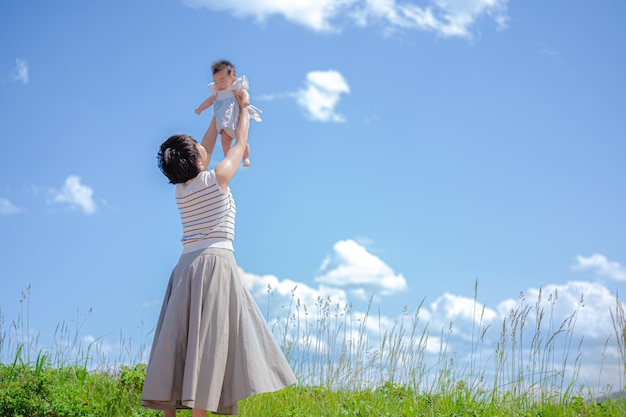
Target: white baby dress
{"points": [[226, 109]]}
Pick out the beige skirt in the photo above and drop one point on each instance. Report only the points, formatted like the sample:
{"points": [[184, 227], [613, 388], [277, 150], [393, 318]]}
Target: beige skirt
{"points": [[211, 345]]}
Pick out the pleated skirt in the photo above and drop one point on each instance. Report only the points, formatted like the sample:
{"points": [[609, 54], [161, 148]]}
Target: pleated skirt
{"points": [[212, 347]]}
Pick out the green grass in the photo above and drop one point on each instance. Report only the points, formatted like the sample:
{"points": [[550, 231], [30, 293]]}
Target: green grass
{"points": [[342, 372], [75, 392]]}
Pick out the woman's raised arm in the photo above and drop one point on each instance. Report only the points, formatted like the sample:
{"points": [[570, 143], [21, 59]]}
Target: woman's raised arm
{"points": [[226, 169]]}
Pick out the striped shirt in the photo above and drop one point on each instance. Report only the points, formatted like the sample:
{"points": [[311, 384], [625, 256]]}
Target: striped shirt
{"points": [[207, 213]]}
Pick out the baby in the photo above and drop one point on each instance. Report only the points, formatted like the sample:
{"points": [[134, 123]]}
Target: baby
{"points": [[225, 109]]}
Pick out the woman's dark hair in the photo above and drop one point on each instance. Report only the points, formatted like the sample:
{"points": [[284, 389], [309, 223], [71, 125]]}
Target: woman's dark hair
{"points": [[178, 158], [221, 64]]}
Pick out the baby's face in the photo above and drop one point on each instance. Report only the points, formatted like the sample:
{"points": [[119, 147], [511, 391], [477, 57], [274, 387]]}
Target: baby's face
{"points": [[222, 80]]}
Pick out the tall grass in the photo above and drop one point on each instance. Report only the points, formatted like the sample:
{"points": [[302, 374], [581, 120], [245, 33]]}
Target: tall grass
{"points": [[347, 362], [535, 358]]}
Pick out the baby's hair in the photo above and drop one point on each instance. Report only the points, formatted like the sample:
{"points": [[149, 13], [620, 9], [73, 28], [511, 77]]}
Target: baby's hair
{"points": [[178, 158], [221, 64]]}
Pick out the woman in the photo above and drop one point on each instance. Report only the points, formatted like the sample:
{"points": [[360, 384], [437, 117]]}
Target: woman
{"points": [[211, 345]]}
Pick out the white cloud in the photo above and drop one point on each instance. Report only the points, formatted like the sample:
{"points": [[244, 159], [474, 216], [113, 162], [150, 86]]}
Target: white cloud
{"points": [[7, 208], [573, 323], [284, 291], [557, 303], [20, 72], [76, 195], [321, 95], [448, 18], [450, 307], [314, 14], [601, 266], [351, 265], [459, 15]]}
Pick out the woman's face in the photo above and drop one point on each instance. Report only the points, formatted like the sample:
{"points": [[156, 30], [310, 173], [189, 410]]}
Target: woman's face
{"points": [[203, 161], [223, 80]]}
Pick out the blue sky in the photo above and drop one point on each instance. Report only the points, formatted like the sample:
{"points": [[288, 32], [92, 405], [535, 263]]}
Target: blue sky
{"points": [[407, 150]]}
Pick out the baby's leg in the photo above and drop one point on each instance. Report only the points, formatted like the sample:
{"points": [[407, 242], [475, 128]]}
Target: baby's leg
{"points": [[227, 141], [246, 155]]}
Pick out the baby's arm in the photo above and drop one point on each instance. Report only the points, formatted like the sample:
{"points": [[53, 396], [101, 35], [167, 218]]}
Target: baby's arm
{"points": [[206, 104]]}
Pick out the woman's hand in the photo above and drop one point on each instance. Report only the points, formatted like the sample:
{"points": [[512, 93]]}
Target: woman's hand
{"points": [[241, 96], [245, 99]]}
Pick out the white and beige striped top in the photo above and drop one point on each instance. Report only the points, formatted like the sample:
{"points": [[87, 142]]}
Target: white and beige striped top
{"points": [[207, 213]]}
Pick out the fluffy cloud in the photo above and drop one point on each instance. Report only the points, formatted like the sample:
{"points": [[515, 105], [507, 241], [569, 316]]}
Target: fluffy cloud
{"points": [[601, 266], [351, 265], [321, 95], [448, 18], [454, 308], [314, 14], [459, 15], [575, 323], [268, 289], [349, 270], [76, 195], [586, 305]]}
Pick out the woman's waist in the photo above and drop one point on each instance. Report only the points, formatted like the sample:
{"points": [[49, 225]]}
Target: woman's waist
{"points": [[194, 245]]}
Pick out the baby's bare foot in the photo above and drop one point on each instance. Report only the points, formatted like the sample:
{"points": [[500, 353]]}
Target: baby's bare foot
{"points": [[246, 162]]}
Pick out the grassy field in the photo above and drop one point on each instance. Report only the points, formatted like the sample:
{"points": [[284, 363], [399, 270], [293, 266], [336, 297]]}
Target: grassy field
{"points": [[342, 371]]}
